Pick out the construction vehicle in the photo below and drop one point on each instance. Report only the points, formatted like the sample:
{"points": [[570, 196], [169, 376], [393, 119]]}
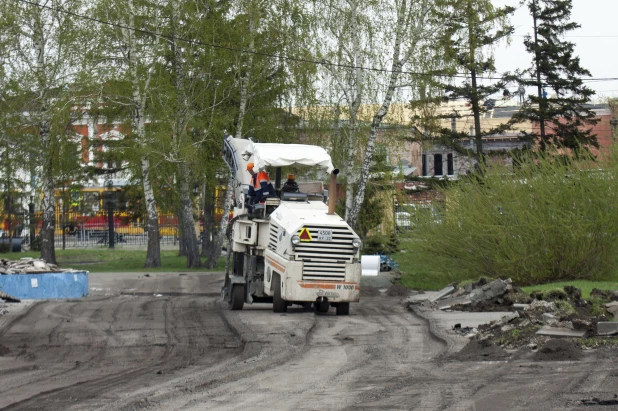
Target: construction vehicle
{"points": [[291, 248]]}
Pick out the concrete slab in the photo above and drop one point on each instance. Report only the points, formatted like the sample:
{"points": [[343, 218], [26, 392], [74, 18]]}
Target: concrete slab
{"points": [[548, 318], [612, 308], [561, 332], [443, 293], [607, 328], [449, 302], [466, 319], [521, 307], [427, 295], [612, 304]]}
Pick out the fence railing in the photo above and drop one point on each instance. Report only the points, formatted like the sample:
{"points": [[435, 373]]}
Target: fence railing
{"points": [[94, 231]]}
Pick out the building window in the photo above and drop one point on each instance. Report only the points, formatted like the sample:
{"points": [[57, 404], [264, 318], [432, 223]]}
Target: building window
{"points": [[437, 164], [424, 164], [449, 164]]}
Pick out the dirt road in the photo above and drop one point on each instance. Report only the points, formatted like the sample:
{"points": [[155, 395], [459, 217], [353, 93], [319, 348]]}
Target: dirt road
{"points": [[165, 342]]}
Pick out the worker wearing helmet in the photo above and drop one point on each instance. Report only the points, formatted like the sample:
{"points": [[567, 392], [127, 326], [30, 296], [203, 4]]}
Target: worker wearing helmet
{"points": [[260, 185]]}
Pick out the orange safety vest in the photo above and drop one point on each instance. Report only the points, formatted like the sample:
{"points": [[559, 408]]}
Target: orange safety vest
{"points": [[259, 178]]}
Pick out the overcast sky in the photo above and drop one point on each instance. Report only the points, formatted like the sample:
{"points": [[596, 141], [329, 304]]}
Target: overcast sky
{"points": [[595, 42]]}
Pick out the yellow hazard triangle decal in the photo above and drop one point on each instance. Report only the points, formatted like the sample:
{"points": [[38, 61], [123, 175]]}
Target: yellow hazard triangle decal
{"points": [[305, 235]]}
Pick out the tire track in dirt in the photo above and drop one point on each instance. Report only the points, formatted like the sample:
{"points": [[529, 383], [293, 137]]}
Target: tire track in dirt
{"points": [[301, 380], [169, 359]]}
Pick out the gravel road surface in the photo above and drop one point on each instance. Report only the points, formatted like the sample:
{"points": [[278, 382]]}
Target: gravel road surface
{"points": [[165, 342]]}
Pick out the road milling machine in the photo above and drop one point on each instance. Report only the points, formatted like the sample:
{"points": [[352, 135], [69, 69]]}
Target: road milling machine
{"points": [[291, 248]]}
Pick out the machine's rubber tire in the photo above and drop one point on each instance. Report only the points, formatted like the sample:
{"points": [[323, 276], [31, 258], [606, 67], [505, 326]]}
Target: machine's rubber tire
{"points": [[343, 309], [279, 304], [322, 307], [237, 297]]}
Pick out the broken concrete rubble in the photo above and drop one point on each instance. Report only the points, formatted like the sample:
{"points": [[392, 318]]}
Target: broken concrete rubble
{"points": [[8, 298], [549, 319], [561, 332], [29, 266], [544, 305], [443, 293], [489, 291], [612, 308], [607, 328], [557, 314]]}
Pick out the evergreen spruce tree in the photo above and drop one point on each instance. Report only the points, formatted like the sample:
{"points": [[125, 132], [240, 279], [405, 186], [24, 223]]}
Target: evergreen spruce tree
{"points": [[559, 104], [471, 28]]}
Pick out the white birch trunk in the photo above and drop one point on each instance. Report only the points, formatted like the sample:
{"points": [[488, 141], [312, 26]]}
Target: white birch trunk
{"points": [[356, 100], [397, 65], [153, 252], [188, 239], [48, 250]]}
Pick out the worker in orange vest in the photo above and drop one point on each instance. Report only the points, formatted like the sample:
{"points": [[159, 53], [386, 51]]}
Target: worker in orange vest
{"points": [[260, 185]]}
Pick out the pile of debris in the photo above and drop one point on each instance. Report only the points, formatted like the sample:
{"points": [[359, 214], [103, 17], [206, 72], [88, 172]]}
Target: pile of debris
{"points": [[535, 319], [483, 295], [8, 298], [27, 266]]}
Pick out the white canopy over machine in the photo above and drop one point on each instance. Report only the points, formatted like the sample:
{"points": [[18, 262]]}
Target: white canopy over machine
{"points": [[281, 155]]}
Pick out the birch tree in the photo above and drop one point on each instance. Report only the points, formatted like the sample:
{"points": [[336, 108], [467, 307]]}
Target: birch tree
{"points": [[363, 36], [268, 32], [191, 94], [40, 54], [126, 54]]}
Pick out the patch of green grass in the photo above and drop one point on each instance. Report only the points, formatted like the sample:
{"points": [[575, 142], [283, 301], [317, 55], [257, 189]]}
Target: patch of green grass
{"points": [[515, 334], [565, 307], [597, 307], [585, 286], [421, 271], [118, 260]]}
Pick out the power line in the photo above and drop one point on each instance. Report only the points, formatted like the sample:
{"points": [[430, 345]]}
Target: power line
{"points": [[568, 37], [322, 62]]}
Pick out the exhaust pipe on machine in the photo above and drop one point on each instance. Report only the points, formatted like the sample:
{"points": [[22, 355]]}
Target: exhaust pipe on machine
{"points": [[332, 192]]}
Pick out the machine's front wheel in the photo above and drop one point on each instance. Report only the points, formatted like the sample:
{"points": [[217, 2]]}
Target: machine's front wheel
{"points": [[237, 297], [322, 306], [343, 309], [279, 304]]}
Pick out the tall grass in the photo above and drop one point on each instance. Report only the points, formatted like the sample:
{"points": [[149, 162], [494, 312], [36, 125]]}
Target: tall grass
{"points": [[550, 218]]}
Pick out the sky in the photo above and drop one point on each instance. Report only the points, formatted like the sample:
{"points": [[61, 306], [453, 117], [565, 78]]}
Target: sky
{"points": [[595, 42]]}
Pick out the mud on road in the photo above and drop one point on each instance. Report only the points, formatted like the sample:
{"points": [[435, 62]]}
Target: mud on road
{"points": [[165, 342]]}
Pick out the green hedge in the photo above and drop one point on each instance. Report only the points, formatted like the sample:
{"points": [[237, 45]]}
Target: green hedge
{"points": [[548, 218]]}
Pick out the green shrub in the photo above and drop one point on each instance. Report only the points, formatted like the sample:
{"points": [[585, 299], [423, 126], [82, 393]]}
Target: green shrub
{"points": [[550, 218], [380, 244]]}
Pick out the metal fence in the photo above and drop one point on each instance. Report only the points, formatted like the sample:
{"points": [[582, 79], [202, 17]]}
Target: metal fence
{"points": [[75, 231]]}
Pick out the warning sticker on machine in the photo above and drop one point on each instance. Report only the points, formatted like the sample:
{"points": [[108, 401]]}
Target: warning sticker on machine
{"points": [[305, 235]]}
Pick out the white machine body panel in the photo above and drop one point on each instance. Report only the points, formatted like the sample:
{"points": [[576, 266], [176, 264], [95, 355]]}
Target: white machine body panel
{"points": [[324, 264]]}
